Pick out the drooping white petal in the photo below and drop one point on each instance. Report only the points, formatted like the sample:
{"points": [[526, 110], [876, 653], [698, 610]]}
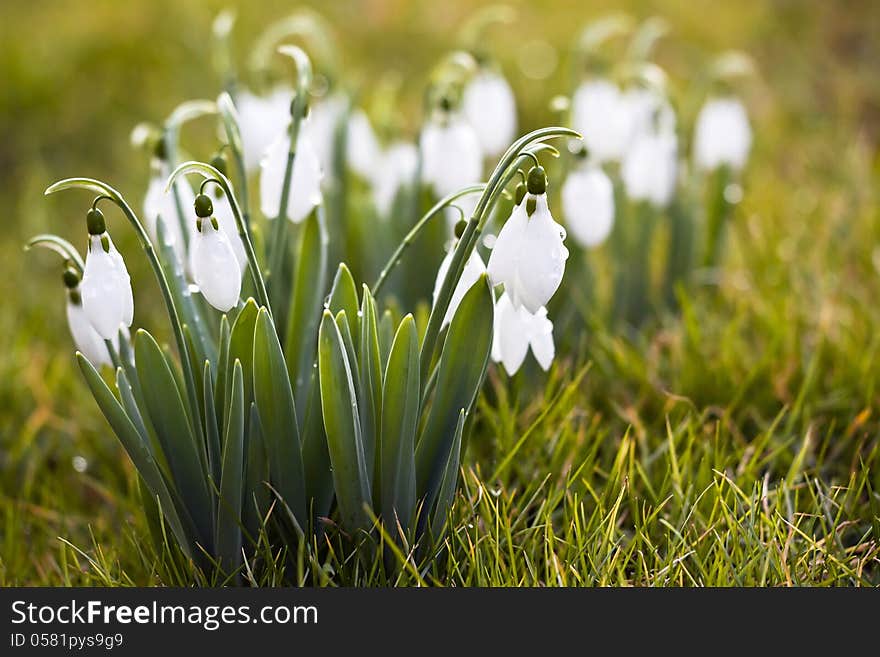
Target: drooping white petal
{"points": [[505, 251], [650, 168], [322, 125], [723, 135], [473, 269], [261, 120], [215, 268], [397, 168], [541, 339], [106, 289], [226, 220], [648, 111], [305, 182], [362, 148], [490, 107], [451, 155], [86, 338], [541, 260], [511, 339], [602, 115], [158, 204], [588, 204]]}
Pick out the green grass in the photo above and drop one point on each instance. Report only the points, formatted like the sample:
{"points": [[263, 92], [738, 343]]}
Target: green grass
{"points": [[736, 444]]}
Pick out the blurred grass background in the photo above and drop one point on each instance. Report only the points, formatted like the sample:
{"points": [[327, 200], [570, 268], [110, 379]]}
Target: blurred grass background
{"points": [[801, 283]]}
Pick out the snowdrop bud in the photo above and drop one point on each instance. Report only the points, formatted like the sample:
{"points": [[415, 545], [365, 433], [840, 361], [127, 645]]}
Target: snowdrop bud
{"points": [[473, 269], [85, 337], [226, 218], [451, 154], [261, 120], [529, 255], [490, 107], [650, 169], [516, 330], [106, 288], [723, 135], [362, 148], [397, 168], [602, 115], [588, 204], [214, 266], [159, 203], [305, 181]]}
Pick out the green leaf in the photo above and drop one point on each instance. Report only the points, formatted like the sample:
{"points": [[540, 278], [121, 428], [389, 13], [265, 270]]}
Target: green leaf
{"points": [[241, 347], [169, 418], [184, 530], [316, 457], [256, 493], [342, 424], [222, 360], [232, 474], [386, 335], [344, 296], [305, 307], [400, 416], [370, 387], [450, 478], [460, 372], [212, 426], [274, 399]]}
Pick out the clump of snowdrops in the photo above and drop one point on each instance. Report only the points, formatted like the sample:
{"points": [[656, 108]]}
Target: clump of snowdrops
{"points": [[296, 405]]}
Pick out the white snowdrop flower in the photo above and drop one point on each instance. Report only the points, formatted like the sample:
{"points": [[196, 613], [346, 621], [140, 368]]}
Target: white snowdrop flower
{"points": [[215, 268], [305, 181], [601, 113], [261, 120], [529, 255], [648, 111], [588, 204], [397, 168], [490, 107], [159, 203], [650, 168], [323, 122], [226, 219], [107, 298], [85, 337], [723, 135], [451, 154], [361, 147], [473, 269], [516, 329]]}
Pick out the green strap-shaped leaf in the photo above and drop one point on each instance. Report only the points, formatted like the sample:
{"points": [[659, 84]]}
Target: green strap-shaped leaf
{"points": [[241, 347], [342, 424], [231, 478], [222, 360], [309, 283], [169, 418], [274, 399], [212, 427], [256, 499], [183, 529], [460, 372], [344, 296], [348, 342], [400, 417], [446, 496], [316, 457], [370, 388], [386, 336]]}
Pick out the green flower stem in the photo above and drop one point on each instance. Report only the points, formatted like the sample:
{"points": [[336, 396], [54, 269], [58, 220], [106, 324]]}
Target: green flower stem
{"points": [[501, 176], [416, 230], [60, 246], [279, 229], [717, 214], [167, 296]]}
